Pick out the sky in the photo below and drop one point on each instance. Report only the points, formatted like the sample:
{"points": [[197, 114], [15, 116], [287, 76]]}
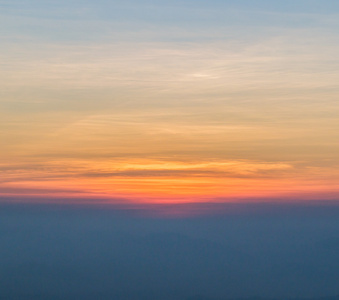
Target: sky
{"points": [[164, 102], [154, 149]]}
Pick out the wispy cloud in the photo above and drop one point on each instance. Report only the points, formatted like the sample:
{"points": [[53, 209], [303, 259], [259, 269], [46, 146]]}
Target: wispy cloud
{"points": [[126, 96]]}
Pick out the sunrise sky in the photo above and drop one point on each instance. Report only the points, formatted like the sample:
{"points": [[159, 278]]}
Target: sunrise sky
{"points": [[169, 101]]}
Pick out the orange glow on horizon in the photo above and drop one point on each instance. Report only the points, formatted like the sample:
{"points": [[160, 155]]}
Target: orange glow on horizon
{"points": [[147, 181]]}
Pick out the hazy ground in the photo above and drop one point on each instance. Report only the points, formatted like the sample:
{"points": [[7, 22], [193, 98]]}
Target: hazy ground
{"points": [[59, 252]]}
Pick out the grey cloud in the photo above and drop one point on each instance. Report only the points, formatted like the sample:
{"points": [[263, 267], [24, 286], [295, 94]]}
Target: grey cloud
{"points": [[193, 173]]}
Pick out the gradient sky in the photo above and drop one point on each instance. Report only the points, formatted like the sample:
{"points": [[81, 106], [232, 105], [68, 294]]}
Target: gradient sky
{"points": [[169, 101]]}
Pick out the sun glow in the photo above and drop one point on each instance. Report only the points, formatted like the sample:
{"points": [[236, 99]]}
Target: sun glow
{"points": [[162, 181], [168, 113]]}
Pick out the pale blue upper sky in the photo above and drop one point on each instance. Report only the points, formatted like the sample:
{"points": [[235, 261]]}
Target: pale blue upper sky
{"points": [[72, 21]]}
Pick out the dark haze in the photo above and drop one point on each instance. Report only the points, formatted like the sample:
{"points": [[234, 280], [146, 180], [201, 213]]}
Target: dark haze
{"points": [[73, 252]]}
